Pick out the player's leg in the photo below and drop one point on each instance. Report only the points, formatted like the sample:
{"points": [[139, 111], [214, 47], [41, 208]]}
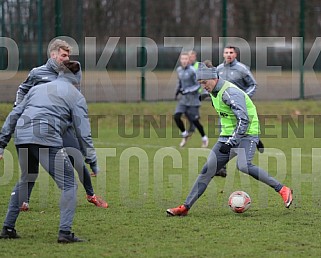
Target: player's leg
{"points": [[28, 162], [246, 151], [56, 162], [260, 146], [72, 147], [76, 159], [194, 116], [192, 127], [222, 172], [179, 111], [216, 160], [30, 177]]}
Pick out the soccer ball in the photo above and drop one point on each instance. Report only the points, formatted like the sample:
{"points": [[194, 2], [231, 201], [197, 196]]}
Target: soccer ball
{"points": [[239, 201]]}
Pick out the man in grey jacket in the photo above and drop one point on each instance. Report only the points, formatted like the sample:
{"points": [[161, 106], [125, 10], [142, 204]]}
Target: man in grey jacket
{"points": [[189, 104], [38, 122], [59, 51], [236, 72]]}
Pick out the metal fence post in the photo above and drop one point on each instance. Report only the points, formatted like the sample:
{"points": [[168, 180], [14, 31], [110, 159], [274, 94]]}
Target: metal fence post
{"points": [[3, 28], [79, 28], [302, 32], [20, 34], [58, 13], [143, 51], [40, 31], [224, 22]]}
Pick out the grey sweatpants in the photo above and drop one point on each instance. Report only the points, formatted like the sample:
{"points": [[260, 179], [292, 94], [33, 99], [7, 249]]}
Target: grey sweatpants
{"points": [[216, 160], [56, 162]]}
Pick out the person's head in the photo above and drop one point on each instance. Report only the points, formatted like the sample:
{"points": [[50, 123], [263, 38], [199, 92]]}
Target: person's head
{"points": [[229, 54], [208, 63], [69, 66], [184, 59], [71, 70], [59, 50], [192, 56], [207, 76]]}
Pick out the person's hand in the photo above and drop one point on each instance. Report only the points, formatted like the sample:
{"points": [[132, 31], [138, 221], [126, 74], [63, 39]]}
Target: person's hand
{"points": [[225, 148], [1, 153], [203, 96], [94, 167], [260, 146]]}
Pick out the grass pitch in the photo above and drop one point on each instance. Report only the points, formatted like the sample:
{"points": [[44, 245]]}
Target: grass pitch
{"points": [[144, 172]]}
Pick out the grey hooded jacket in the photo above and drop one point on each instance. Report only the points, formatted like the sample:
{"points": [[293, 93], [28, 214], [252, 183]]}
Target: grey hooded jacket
{"points": [[39, 75], [45, 114], [238, 74]]}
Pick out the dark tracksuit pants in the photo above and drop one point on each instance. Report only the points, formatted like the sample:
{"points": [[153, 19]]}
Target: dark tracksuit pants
{"points": [[56, 162], [71, 144], [216, 160], [192, 114], [72, 147]]}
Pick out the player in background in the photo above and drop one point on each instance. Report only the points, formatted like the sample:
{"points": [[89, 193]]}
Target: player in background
{"points": [[189, 103], [194, 63], [193, 59], [44, 114], [59, 51], [236, 72], [240, 132]]}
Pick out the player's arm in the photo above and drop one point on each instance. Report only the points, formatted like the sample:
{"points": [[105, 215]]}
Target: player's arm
{"points": [[195, 86], [178, 88], [178, 85], [10, 125], [235, 99], [24, 88], [203, 95], [250, 82], [82, 128]]}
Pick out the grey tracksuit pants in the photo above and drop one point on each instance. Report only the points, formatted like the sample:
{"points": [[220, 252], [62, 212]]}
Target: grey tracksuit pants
{"points": [[216, 160], [56, 162]]}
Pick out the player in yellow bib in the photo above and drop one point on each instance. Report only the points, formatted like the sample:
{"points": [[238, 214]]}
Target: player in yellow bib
{"points": [[240, 75], [239, 137]]}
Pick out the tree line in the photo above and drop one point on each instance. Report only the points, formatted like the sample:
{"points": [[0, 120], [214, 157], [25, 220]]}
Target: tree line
{"points": [[35, 22], [105, 18]]}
